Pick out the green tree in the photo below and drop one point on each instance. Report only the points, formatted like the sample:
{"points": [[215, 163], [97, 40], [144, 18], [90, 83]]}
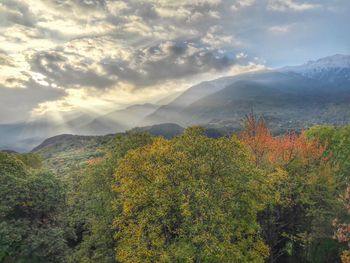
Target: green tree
{"points": [[31, 160], [337, 140], [91, 199], [190, 199], [30, 200]]}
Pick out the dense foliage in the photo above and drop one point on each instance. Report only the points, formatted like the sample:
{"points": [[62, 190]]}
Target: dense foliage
{"points": [[250, 197], [31, 200], [190, 199], [298, 227], [90, 206]]}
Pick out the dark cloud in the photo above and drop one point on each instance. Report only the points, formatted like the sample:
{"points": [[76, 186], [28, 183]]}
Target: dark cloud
{"points": [[66, 71], [87, 4], [147, 11], [168, 60], [16, 12], [17, 104]]}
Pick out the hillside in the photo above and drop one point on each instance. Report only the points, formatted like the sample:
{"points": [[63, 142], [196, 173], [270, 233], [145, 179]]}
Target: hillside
{"points": [[170, 112], [24, 136], [67, 152]]}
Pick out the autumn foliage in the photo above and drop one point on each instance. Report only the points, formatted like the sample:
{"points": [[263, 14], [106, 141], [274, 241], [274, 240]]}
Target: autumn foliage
{"points": [[280, 149], [190, 199], [308, 184]]}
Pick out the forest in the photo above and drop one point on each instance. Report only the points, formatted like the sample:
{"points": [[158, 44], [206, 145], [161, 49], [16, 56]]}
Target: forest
{"points": [[252, 196]]}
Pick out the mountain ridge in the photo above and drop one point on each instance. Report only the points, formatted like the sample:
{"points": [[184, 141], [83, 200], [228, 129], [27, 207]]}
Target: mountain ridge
{"points": [[272, 92]]}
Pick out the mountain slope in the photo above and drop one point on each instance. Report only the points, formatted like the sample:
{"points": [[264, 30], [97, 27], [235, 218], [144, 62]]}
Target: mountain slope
{"points": [[286, 100], [317, 92], [65, 152], [170, 112], [118, 121]]}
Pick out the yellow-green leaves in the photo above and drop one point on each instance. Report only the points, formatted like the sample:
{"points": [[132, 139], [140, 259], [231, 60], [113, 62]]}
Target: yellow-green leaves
{"points": [[190, 199]]}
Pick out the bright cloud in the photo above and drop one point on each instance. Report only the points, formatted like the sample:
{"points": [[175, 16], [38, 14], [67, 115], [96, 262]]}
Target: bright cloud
{"points": [[294, 5]]}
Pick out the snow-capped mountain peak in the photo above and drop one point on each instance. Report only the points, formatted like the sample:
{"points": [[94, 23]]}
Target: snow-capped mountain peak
{"points": [[335, 61], [332, 68]]}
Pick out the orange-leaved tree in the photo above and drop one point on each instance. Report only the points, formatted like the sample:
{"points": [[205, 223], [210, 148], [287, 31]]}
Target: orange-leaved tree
{"points": [[280, 149], [295, 226]]}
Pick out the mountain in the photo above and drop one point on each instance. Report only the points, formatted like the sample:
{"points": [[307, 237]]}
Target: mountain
{"points": [[119, 120], [292, 97], [333, 69]]}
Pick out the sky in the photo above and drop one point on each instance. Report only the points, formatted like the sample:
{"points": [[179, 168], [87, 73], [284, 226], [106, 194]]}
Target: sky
{"points": [[94, 56]]}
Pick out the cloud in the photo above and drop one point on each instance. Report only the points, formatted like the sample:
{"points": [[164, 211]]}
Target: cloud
{"points": [[166, 61], [242, 4], [291, 5], [17, 103], [12, 75], [69, 69], [16, 12], [281, 29]]}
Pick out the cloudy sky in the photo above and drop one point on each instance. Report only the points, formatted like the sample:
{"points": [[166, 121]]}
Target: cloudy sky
{"points": [[98, 55]]}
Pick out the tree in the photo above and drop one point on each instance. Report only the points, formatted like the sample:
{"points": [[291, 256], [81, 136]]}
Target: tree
{"points": [[91, 198], [342, 233], [296, 227], [190, 199], [337, 140], [30, 201], [257, 137], [31, 160]]}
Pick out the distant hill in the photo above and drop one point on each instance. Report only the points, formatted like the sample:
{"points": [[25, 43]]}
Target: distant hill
{"points": [[9, 151], [65, 152], [24, 136]]}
